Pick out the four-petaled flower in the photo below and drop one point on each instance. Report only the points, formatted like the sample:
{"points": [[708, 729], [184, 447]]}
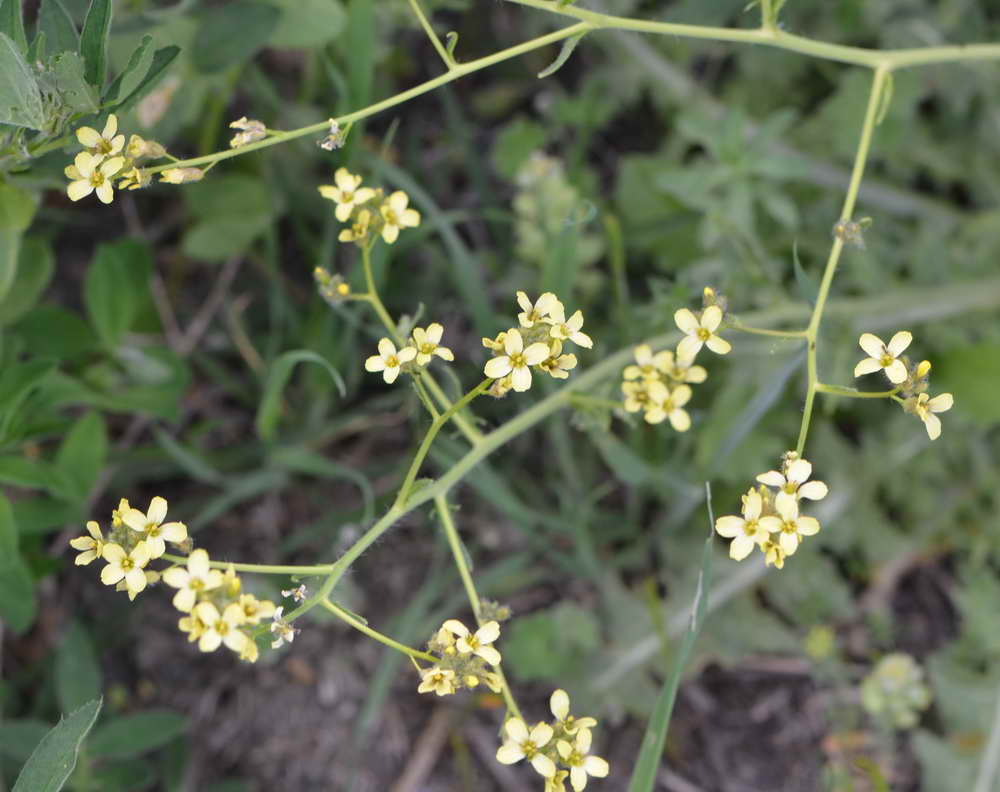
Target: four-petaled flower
{"points": [[559, 704], [517, 361], [569, 329], [103, 144], [793, 483], [90, 173], [396, 216], [91, 547], [388, 360], [127, 567], [884, 356], [524, 744], [670, 406], [477, 643], [358, 231], [789, 525], [191, 582], [438, 680], [925, 407], [427, 343], [154, 530], [254, 609], [647, 365], [700, 332], [283, 630], [746, 531], [577, 756], [541, 310], [644, 394], [221, 628], [347, 194], [558, 365]]}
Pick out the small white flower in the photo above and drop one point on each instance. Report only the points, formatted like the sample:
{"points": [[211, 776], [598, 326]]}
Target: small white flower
{"points": [[397, 216], [576, 756], [191, 582], [298, 594], [154, 530], [790, 525], [794, 484], [700, 332], [477, 643], [569, 329], [427, 343], [524, 744], [92, 173], [670, 406], [884, 356], [91, 547], [925, 407], [559, 704], [347, 193], [540, 311], [746, 532], [388, 360], [517, 361], [283, 630]]}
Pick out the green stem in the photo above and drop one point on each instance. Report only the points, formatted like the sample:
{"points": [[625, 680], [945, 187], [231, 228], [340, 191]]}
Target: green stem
{"points": [[860, 158], [444, 514], [851, 393], [425, 445], [264, 569], [343, 615], [425, 398], [426, 25], [735, 324]]}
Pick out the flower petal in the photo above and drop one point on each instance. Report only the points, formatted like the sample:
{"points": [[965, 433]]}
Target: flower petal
{"points": [[772, 479], [540, 734], [516, 730], [941, 403], [711, 318], [753, 505], [719, 346], [509, 753], [497, 367], [520, 379], [896, 372], [867, 366], [596, 766], [729, 526], [488, 633], [814, 490], [559, 704], [79, 189], [899, 342], [489, 654], [536, 353], [933, 425], [513, 344], [808, 526], [686, 321], [689, 346], [543, 765], [741, 547], [680, 420], [374, 364], [872, 345]]}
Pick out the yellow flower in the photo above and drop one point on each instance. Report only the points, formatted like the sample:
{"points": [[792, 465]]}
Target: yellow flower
{"points": [[134, 179], [495, 344], [92, 173], [577, 756], [438, 680], [138, 148], [683, 370], [884, 356], [347, 193], [427, 344], [358, 232], [250, 652], [91, 546], [501, 387], [773, 554], [125, 567], [152, 527], [116, 514], [790, 525], [231, 583], [558, 365], [524, 744], [193, 626], [388, 360], [193, 581], [151, 577], [181, 175], [254, 609], [221, 628], [647, 365], [670, 408], [644, 394], [103, 144], [559, 704], [517, 361], [396, 216], [477, 643], [565, 329], [541, 311], [924, 407], [557, 783], [700, 332], [794, 484], [746, 531]]}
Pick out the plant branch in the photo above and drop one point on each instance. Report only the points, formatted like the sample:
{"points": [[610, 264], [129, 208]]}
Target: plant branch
{"points": [[359, 625], [449, 62]]}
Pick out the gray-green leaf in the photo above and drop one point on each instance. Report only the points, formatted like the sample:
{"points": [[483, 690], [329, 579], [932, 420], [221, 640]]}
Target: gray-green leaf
{"points": [[51, 763]]}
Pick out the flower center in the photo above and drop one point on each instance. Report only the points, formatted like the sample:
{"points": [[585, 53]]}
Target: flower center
{"points": [[104, 147], [789, 527], [789, 487], [196, 584], [221, 627], [128, 564], [152, 530], [96, 178], [886, 359], [518, 361], [575, 759], [390, 218], [392, 361], [529, 748], [750, 527], [704, 334], [427, 348]]}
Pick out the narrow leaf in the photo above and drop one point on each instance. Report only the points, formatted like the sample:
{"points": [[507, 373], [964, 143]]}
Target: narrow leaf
{"points": [[17, 588], [568, 46], [162, 58], [94, 41], [130, 76], [277, 378], [51, 763]]}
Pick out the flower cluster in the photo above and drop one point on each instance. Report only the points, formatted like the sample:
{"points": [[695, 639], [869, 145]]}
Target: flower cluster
{"points": [[464, 657], [659, 384], [537, 343], [369, 211], [106, 157], [772, 521], [423, 345], [895, 691], [215, 609], [557, 749], [910, 380]]}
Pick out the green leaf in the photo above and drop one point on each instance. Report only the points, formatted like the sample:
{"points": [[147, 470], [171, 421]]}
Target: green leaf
{"points": [[32, 276], [138, 64], [277, 378], [113, 287], [12, 23], [187, 460], [94, 41], [17, 588], [553, 642], [230, 211], [50, 331], [57, 25], [20, 97], [78, 675], [17, 471], [76, 92], [972, 373], [651, 752], [16, 383], [217, 43], [82, 454], [42, 514], [568, 46], [51, 763], [307, 23], [131, 735], [19, 738], [515, 143], [162, 58]]}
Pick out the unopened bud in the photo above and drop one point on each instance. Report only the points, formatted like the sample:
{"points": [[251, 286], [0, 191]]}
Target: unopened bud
{"points": [[182, 175]]}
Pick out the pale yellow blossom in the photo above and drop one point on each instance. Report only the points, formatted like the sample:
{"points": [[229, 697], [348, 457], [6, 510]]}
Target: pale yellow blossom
{"points": [[746, 531], [569, 329], [558, 365], [884, 356], [192, 582], [576, 756], [92, 173], [389, 361], [91, 547], [181, 175], [102, 144], [789, 525], [539, 311], [152, 527], [671, 407], [427, 343], [347, 193], [524, 744], [793, 483], [516, 363], [396, 216], [255, 609], [924, 408], [437, 680], [358, 232], [221, 628], [559, 705], [127, 567], [700, 332], [477, 643], [647, 365]]}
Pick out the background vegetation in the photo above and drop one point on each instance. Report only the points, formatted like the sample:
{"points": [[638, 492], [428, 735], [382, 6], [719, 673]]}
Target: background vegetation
{"points": [[137, 341]]}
